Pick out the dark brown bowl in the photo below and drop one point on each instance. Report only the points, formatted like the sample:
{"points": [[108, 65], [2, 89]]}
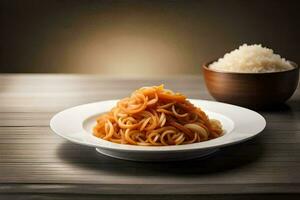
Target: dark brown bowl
{"points": [[253, 90]]}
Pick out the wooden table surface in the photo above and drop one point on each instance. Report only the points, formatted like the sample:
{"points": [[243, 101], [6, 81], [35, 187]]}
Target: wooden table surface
{"points": [[37, 164]]}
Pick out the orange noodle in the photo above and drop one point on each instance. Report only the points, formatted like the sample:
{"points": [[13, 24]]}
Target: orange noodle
{"points": [[154, 116]]}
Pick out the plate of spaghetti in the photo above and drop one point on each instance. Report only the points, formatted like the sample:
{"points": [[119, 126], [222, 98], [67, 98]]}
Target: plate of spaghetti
{"points": [[157, 124]]}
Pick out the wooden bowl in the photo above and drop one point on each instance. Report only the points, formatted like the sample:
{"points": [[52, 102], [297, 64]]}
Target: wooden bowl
{"points": [[253, 90]]}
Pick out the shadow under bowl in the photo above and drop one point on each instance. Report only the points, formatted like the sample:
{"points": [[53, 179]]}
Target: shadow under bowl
{"points": [[252, 90]]}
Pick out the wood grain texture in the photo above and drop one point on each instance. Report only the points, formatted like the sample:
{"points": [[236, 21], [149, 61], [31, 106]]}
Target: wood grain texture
{"points": [[35, 163], [148, 197]]}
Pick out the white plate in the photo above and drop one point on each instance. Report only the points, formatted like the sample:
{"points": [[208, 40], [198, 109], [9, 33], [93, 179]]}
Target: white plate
{"points": [[240, 124]]}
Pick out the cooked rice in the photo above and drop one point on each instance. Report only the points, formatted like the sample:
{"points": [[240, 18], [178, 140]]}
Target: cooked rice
{"points": [[251, 59]]}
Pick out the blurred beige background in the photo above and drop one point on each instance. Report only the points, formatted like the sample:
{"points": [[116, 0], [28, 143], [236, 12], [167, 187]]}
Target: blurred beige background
{"points": [[138, 37]]}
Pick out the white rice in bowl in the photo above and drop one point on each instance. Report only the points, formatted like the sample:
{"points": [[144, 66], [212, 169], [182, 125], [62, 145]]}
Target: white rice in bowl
{"points": [[251, 59]]}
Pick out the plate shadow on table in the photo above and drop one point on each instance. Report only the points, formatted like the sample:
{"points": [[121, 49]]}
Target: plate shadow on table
{"points": [[228, 158]]}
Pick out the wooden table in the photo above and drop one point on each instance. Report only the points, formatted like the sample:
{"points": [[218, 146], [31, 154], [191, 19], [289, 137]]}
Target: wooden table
{"points": [[37, 164]]}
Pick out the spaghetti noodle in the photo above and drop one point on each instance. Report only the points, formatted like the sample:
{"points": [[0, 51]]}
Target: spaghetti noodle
{"points": [[154, 116]]}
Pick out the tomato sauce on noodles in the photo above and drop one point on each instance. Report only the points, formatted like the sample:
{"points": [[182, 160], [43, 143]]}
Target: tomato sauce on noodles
{"points": [[154, 116]]}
